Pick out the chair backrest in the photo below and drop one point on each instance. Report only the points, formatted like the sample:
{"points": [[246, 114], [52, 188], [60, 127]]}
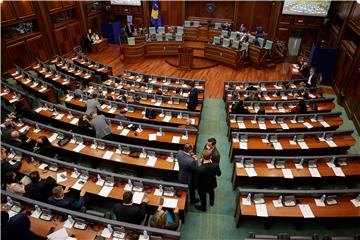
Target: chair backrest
{"points": [[169, 36], [224, 33], [261, 42], [244, 46], [187, 23], [235, 44], [196, 23], [251, 38], [131, 41], [152, 30], [95, 213], [179, 37], [180, 29], [159, 37], [161, 30], [268, 44], [233, 35], [226, 42], [216, 40], [218, 25]]}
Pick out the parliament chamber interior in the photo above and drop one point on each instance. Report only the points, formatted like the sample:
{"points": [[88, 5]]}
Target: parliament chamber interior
{"points": [[133, 119]]}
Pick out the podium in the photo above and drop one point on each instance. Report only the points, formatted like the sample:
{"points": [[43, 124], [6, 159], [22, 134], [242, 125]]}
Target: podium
{"points": [[185, 57]]}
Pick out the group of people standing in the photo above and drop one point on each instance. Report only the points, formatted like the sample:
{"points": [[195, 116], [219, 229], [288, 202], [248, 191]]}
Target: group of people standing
{"points": [[200, 174]]}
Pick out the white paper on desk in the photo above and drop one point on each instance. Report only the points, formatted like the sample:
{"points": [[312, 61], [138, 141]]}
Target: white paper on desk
{"points": [[68, 98], [282, 110], [251, 172], [112, 110], [100, 182], [293, 121], [313, 120], [284, 126], [79, 147], [68, 224], [176, 166], [241, 125], [74, 121], [60, 179], [167, 119], [239, 165], [60, 234], [13, 100], [138, 197], [314, 172], [338, 172], [319, 203], [43, 166], [267, 98], [287, 173], [261, 210], [152, 137], [264, 140], [273, 122], [39, 109], [151, 161], [34, 84], [306, 211], [292, 142], [277, 146], [170, 202], [270, 166], [105, 233], [36, 130], [277, 203], [284, 97], [355, 202], [23, 129], [298, 166], [56, 78], [105, 191], [108, 154], [175, 139], [125, 132], [331, 165], [331, 143], [78, 184], [325, 124], [157, 103], [52, 137], [303, 145], [253, 121], [77, 73], [20, 76], [246, 201], [308, 125], [128, 187], [59, 116], [262, 126], [157, 192], [36, 214], [243, 145]]}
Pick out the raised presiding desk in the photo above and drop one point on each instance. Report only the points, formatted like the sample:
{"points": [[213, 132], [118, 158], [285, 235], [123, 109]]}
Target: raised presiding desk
{"points": [[99, 46], [200, 33], [297, 204], [307, 143], [263, 168], [228, 56]]}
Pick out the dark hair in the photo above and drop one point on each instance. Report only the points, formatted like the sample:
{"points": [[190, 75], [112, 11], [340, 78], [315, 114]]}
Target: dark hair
{"points": [[191, 84], [4, 217], [188, 147], [34, 176], [212, 140], [302, 106], [94, 95], [8, 177], [127, 197]]}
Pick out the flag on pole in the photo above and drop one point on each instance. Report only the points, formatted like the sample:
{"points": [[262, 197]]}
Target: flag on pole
{"points": [[155, 15]]}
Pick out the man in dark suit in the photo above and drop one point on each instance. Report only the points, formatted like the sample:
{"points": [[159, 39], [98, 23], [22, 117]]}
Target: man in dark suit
{"points": [[205, 180], [16, 227], [39, 189], [312, 78], [211, 146], [187, 167], [193, 98], [92, 105], [5, 165], [20, 140], [127, 212], [68, 201], [101, 126]]}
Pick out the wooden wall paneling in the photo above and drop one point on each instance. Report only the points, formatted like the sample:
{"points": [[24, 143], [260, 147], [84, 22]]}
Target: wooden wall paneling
{"points": [[47, 28], [76, 33], [342, 69], [54, 5], [262, 9], [355, 17], [68, 3], [24, 9], [6, 62], [8, 13], [342, 8], [19, 54], [146, 12], [223, 9], [172, 12], [63, 40], [38, 48]]}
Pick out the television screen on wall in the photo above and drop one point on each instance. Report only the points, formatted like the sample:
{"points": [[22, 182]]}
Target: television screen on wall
{"points": [[126, 2], [317, 8]]}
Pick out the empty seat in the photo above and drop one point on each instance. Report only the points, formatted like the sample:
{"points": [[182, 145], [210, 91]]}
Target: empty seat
{"points": [[226, 42], [233, 35], [218, 25], [216, 40], [251, 39], [261, 42], [179, 37], [159, 37], [187, 23], [244, 47], [235, 44], [268, 45], [161, 30], [196, 23], [152, 30], [168, 36], [131, 41], [224, 33], [180, 29]]}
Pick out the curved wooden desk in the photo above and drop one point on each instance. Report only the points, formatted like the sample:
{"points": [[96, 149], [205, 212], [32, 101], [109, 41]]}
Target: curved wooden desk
{"points": [[266, 85], [102, 71], [78, 75], [12, 97], [228, 56], [58, 81]]}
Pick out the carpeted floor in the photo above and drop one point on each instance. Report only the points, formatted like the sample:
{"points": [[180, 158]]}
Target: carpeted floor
{"points": [[219, 222]]}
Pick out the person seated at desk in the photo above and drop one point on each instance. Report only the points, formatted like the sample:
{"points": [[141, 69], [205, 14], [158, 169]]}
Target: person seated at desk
{"points": [[84, 126], [44, 147], [261, 110], [253, 96], [235, 96], [16, 227], [244, 37], [95, 38], [9, 126], [251, 88], [6, 166], [93, 105], [39, 189], [300, 108], [14, 186], [68, 201], [239, 108], [22, 111], [20, 140], [164, 219], [312, 80], [101, 126], [304, 68], [128, 212], [242, 28], [187, 125], [193, 98]]}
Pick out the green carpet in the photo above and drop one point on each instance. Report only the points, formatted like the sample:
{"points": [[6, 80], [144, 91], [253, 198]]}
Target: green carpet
{"points": [[219, 222]]}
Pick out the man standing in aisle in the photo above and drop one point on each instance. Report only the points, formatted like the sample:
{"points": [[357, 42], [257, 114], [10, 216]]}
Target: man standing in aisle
{"points": [[187, 168], [211, 146]]}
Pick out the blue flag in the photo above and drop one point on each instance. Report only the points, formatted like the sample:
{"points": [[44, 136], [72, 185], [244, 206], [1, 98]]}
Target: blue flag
{"points": [[155, 18]]}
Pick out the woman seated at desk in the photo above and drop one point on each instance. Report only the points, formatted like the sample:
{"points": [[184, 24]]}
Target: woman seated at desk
{"points": [[239, 108], [164, 219]]}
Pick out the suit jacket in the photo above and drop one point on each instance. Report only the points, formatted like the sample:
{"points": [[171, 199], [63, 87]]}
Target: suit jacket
{"points": [[130, 213], [206, 176], [313, 80], [68, 202], [40, 190], [193, 99], [101, 126], [18, 227], [92, 105], [7, 167], [187, 167]]}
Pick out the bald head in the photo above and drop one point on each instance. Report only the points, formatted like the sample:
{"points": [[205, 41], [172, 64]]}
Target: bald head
{"points": [[15, 134]]}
